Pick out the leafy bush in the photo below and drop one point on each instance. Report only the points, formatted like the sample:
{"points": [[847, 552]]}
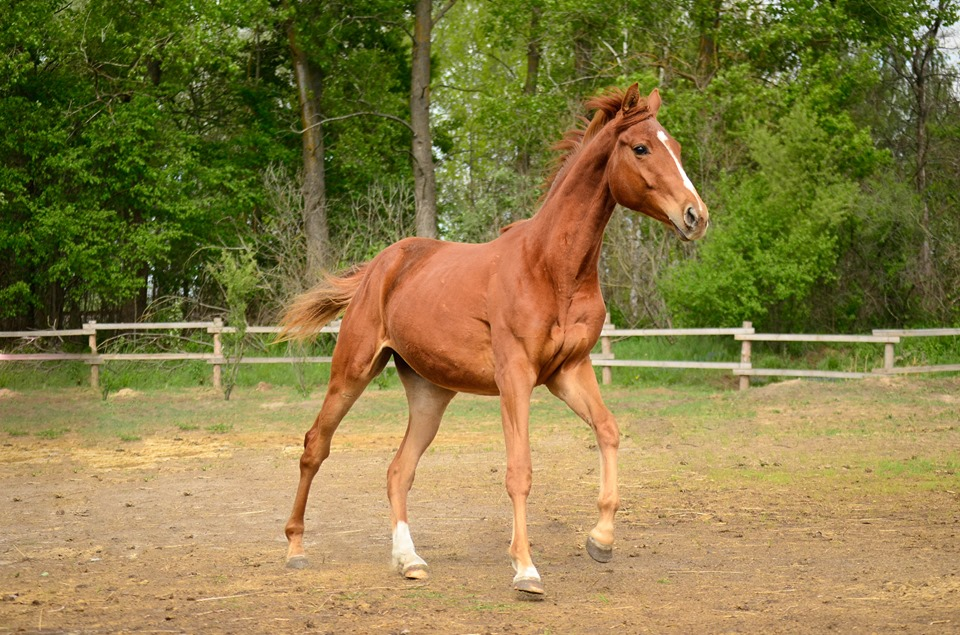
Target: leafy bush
{"points": [[775, 238]]}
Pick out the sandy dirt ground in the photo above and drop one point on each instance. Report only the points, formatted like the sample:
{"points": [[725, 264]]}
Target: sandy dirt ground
{"points": [[183, 533]]}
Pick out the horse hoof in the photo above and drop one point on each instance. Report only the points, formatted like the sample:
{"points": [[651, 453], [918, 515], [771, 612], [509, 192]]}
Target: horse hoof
{"points": [[529, 589], [599, 552], [415, 572], [297, 562]]}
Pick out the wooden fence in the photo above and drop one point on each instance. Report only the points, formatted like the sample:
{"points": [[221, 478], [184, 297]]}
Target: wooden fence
{"points": [[605, 359]]}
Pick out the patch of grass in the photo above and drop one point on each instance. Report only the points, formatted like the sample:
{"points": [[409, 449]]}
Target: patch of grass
{"points": [[35, 375], [52, 433], [798, 436], [484, 606], [424, 593], [915, 466], [771, 476]]}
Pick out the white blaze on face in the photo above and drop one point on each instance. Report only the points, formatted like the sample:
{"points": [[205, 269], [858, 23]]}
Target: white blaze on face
{"points": [[686, 180]]}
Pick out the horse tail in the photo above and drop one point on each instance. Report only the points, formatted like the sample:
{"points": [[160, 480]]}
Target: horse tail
{"points": [[312, 310]]}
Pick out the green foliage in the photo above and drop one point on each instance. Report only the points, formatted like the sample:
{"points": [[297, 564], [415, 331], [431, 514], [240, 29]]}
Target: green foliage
{"points": [[135, 138], [237, 275], [124, 151], [776, 237]]}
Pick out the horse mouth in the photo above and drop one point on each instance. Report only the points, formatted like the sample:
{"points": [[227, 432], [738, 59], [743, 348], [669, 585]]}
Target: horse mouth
{"points": [[680, 233], [690, 234]]}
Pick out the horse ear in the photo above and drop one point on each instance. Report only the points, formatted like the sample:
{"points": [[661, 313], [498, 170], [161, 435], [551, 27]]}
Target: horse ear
{"points": [[653, 102], [630, 99]]}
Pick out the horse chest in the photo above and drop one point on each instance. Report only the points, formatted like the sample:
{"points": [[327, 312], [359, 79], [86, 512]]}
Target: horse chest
{"points": [[567, 341]]}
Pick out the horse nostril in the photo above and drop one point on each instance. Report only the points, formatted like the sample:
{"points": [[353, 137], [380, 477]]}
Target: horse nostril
{"points": [[690, 217]]}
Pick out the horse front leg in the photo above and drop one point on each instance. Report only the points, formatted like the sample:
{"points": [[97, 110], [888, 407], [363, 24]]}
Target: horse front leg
{"points": [[577, 387], [515, 412]]}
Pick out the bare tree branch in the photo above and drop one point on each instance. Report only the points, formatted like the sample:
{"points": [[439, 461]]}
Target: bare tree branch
{"points": [[358, 114], [443, 12]]}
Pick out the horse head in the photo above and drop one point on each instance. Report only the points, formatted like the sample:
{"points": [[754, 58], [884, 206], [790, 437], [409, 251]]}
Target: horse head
{"points": [[644, 169]]}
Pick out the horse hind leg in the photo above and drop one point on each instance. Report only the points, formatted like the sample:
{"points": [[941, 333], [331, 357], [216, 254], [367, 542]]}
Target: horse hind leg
{"points": [[347, 382], [427, 403]]}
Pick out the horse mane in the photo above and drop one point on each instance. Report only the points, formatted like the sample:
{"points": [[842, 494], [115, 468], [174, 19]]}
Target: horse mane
{"points": [[605, 106]]}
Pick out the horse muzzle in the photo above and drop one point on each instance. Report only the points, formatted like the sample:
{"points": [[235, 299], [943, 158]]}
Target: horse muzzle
{"points": [[692, 224]]}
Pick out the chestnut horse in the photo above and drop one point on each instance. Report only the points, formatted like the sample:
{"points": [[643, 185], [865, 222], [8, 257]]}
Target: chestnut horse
{"points": [[498, 318]]}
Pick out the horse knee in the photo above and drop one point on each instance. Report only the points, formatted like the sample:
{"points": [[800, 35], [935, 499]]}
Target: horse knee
{"points": [[519, 481], [608, 434]]}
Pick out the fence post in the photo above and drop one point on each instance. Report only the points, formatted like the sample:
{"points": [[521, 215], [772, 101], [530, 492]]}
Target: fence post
{"points": [[94, 366], [745, 352], [605, 347], [888, 356], [217, 352]]}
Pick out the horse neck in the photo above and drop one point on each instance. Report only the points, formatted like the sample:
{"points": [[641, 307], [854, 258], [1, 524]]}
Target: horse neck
{"points": [[570, 224]]}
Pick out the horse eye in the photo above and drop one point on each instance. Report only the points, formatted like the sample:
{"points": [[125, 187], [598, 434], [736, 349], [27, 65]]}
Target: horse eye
{"points": [[641, 150]]}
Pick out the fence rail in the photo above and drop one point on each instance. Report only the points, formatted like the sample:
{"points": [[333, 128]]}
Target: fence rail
{"points": [[605, 359]]}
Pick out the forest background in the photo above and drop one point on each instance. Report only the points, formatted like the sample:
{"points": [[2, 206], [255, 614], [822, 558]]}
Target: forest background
{"points": [[170, 159]]}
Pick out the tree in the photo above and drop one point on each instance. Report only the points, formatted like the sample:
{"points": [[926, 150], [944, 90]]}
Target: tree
{"points": [[352, 72], [309, 79], [424, 173], [914, 57], [237, 276], [136, 140]]}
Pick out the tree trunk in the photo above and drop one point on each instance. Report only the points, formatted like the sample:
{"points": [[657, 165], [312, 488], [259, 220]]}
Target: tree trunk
{"points": [[315, 227], [582, 52], [920, 64], [533, 52], [920, 179], [708, 23], [425, 187], [530, 82], [922, 72], [133, 308]]}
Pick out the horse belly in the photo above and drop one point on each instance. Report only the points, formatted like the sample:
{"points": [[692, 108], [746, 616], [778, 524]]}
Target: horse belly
{"points": [[434, 315], [444, 343], [456, 363]]}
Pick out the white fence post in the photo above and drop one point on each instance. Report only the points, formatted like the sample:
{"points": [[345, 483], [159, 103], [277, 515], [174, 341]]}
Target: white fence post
{"points": [[218, 352], [607, 349], [745, 353], [94, 366], [888, 357]]}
